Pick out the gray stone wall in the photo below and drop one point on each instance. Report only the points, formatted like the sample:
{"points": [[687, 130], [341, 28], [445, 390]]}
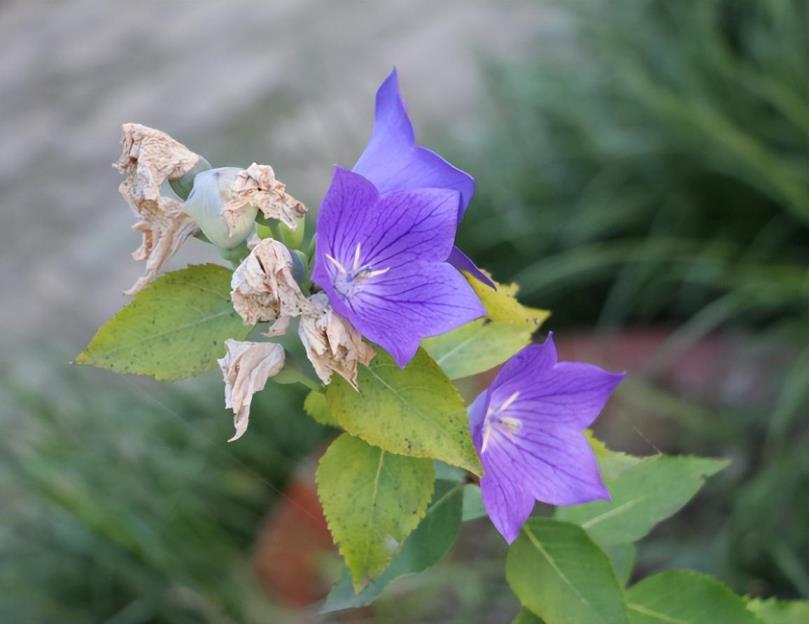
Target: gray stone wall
{"points": [[285, 82]]}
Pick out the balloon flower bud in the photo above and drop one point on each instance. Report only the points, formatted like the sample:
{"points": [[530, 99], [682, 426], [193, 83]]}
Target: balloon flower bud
{"points": [[211, 192]]}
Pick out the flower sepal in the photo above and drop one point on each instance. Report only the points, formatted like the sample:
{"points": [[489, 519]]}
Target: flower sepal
{"points": [[183, 185]]}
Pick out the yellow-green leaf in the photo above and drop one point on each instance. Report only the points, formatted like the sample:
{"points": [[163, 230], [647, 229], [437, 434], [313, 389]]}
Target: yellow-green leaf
{"points": [[315, 405], [424, 547], [772, 611], [372, 501], [526, 617], [174, 328], [416, 411], [484, 343]]}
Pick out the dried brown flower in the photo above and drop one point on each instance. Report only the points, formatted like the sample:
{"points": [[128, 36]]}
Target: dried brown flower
{"points": [[263, 287], [258, 187], [149, 158], [246, 368], [332, 344]]}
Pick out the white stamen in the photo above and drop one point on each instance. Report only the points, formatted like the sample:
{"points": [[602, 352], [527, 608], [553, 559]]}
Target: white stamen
{"points": [[336, 263], [356, 258], [370, 274], [507, 403], [487, 434]]}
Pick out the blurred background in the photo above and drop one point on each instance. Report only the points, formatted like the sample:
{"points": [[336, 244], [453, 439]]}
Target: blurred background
{"points": [[643, 171]]}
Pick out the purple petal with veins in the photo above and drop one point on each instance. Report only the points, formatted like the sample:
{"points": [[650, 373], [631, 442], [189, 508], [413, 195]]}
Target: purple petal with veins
{"points": [[393, 162], [528, 430], [381, 259]]}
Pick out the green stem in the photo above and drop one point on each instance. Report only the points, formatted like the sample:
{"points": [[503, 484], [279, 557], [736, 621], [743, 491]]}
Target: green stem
{"points": [[235, 255], [293, 373]]}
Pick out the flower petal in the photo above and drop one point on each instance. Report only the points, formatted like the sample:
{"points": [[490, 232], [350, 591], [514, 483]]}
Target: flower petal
{"points": [[263, 287], [392, 229], [411, 302], [507, 503], [150, 157], [551, 393], [331, 342], [246, 368], [393, 161], [257, 187], [462, 262], [555, 466], [164, 232]]}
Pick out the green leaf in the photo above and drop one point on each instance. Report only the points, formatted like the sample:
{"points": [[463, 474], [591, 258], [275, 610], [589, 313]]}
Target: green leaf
{"points": [[558, 573], [484, 343], [416, 411], [774, 611], [611, 463], [642, 495], [315, 405], [372, 501], [472, 503], [175, 327], [426, 545], [680, 597], [622, 558], [449, 473], [526, 617]]}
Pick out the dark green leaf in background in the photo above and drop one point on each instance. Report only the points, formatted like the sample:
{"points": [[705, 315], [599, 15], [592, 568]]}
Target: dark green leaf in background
{"points": [[680, 597], [642, 495], [472, 503], [558, 573], [622, 557]]}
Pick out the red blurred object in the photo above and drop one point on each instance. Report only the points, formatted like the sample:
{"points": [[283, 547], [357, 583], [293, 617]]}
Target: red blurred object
{"points": [[291, 544]]}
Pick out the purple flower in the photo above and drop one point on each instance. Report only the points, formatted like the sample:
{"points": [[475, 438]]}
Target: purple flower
{"points": [[381, 258], [528, 427], [393, 162]]}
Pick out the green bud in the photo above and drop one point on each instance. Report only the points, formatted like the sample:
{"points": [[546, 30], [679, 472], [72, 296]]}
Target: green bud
{"points": [[292, 238], [264, 231], [299, 272], [212, 189]]}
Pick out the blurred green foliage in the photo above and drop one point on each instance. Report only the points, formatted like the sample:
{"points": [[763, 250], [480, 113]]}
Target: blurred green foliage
{"points": [[650, 164], [123, 504], [655, 154]]}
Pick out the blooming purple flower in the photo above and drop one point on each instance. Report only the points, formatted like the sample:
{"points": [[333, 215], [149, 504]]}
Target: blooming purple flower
{"points": [[381, 258], [393, 162], [528, 427]]}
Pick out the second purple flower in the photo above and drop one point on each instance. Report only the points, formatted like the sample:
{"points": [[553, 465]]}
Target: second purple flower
{"points": [[528, 430]]}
